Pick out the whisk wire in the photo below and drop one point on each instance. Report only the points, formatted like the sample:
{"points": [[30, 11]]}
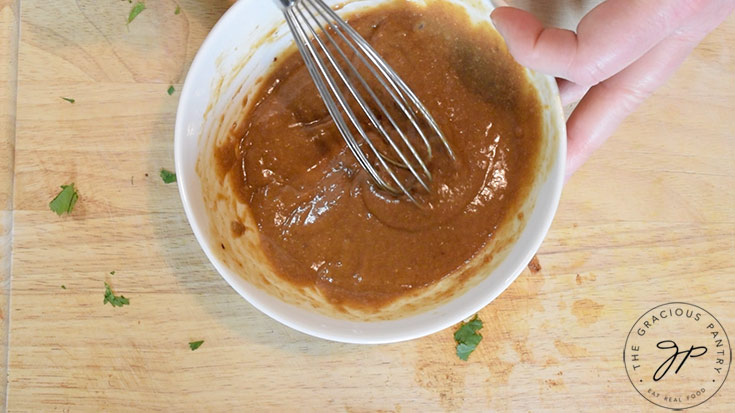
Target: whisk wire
{"points": [[330, 81], [387, 71], [334, 112], [310, 22], [399, 100], [365, 107], [382, 78]]}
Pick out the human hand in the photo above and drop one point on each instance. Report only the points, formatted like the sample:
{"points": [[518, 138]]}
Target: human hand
{"points": [[622, 51]]}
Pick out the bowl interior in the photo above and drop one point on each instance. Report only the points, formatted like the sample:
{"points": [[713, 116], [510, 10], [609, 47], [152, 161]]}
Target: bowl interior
{"points": [[240, 48]]}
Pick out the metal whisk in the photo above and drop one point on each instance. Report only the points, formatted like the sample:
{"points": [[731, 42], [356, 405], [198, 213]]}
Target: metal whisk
{"points": [[315, 27]]}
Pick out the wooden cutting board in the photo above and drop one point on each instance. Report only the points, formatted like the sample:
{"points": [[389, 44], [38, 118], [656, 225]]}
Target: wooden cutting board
{"points": [[650, 219]]}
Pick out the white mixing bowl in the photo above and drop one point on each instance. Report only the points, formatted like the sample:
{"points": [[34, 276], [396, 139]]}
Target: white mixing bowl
{"points": [[240, 48]]}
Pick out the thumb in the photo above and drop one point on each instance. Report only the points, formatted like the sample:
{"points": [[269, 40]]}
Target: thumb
{"points": [[523, 33], [609, 38], [512, 22]]}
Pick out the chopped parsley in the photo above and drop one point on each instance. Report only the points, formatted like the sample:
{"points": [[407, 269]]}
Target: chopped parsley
{"points": [[65, 200], [171, 90], [193, 345], [178, 10], [468, 338], [63, 286], [70, 100], [114, 300], [135, 11], [112, 272], [167, 176]]}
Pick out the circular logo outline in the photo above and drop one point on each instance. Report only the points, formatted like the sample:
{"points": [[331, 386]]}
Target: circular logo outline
{"points": [[625, 349]]}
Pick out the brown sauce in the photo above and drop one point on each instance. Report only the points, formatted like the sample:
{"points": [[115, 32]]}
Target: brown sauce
{"points": [[321, 221]]}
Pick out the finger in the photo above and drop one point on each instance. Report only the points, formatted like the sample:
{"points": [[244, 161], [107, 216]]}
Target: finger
{"points": [[709, 16], [606, 105], [570, 92], [608, 39]]}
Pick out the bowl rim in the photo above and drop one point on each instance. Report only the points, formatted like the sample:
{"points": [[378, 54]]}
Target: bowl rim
{"points": [[555, 178]]}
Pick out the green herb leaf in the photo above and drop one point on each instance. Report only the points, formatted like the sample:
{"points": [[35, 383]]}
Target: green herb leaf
{"points": [[468, 329], [193, 345], [114, 300], [171, 90], [70, 100], [167, 176], [63, 286], [468, 338], [178, 10], [464, 351], [112, 272], [65, 200], [135, 11]]}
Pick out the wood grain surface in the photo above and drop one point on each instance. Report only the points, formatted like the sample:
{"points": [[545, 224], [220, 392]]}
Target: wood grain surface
{"points": [[649, 219], [8, 75]]}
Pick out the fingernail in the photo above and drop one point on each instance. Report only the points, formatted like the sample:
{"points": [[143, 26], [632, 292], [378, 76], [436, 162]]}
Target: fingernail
{"points": [[492, 16]]}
